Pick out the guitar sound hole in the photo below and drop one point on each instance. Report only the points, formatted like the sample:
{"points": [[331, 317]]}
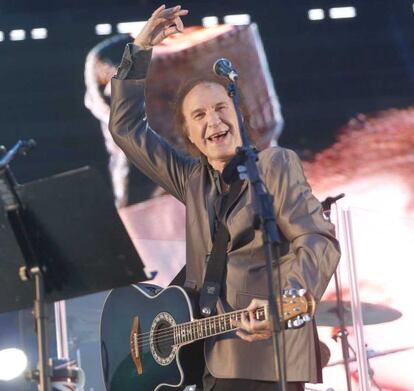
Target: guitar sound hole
{"points": [[163, 339]]}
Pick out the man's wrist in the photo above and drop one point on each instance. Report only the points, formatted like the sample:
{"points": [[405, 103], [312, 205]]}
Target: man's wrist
{"points": [[142, 45]]}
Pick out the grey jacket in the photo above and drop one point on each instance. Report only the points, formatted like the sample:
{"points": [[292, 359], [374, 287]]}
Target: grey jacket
{"points": [[312, 250]]}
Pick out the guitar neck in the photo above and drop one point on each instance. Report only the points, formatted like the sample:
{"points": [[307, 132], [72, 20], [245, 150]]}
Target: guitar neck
{"points": [[188, 332]]}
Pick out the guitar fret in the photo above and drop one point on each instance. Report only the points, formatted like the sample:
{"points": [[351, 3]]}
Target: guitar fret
{"points": [[200, 325], [187, 332], [199, 333], [191, 331], [203, 325], [228, 319]]}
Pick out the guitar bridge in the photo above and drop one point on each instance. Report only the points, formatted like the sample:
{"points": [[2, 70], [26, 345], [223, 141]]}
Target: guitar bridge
{"points": [[134, 345]]}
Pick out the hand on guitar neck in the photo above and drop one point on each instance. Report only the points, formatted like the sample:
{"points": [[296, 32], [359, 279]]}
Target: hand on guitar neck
{"points": [[249, 327], [252, 327]]}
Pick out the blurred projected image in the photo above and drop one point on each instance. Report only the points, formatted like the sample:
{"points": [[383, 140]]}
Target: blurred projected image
{"points": [[191, 55], [372, 162]]}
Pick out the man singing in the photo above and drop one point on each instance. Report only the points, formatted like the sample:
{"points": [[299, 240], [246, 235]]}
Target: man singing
{"points": [[242, 360]]}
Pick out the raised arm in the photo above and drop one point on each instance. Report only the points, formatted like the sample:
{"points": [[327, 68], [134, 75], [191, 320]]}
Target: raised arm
{"points": [[128, 123]]}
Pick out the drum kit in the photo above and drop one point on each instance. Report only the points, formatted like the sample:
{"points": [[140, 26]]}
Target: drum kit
{"points": [[338, 315], [328, 315]]}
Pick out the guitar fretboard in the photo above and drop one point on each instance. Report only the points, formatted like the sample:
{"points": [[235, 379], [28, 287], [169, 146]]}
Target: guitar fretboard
{"points": [[208, 327]]}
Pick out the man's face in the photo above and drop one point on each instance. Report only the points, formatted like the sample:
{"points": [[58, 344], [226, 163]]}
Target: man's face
{"points": [[211, 122]]}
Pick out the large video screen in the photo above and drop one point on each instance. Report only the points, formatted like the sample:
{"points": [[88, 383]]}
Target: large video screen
{"points": [[336, 90]]}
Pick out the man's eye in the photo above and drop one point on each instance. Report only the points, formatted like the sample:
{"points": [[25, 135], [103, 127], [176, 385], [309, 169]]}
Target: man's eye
{"points": [[199, 116], [221, 108]]}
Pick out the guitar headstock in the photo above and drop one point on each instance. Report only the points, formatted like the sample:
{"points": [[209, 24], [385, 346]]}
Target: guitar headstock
{"points": [[298, 307]]}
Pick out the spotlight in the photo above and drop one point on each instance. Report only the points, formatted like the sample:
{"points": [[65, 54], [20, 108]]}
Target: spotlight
{"points": [[209, 21], [17, 35], [1, 36], [342, 12], [240, 19], [316, 14], [103, 29], [39, 33], [130, 27], [13, 362]]}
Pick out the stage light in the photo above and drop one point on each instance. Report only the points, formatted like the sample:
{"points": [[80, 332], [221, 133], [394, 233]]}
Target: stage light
{"points": [[316, 14], [103, 29], [13, 362], [17, 35], [209, 21], [342, 12], [39, 33], [130, 27], [1, 36], [240, 19]]}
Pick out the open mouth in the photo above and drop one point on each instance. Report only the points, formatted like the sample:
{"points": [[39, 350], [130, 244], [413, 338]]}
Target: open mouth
{"points": [[218, 136]]}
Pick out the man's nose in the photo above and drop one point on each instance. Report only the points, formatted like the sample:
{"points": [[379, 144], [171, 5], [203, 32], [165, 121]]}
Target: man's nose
{"points": [[213, 119]]}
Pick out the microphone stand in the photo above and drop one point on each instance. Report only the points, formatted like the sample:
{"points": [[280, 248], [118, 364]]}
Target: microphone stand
{"points": [[248, 170]]}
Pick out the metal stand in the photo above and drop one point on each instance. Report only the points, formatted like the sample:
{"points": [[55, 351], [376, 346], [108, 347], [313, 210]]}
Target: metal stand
{"points": [[40, 237], [44, 371], [13, 208], [343, 332], [245, 160]]}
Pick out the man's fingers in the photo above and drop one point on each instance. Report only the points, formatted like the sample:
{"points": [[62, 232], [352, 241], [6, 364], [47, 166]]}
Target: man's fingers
{"points": [[170, 31], [158, 11], [179, 24], [170, 12]]}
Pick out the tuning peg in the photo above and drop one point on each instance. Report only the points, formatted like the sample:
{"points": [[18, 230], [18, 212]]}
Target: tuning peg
{"points": [[288, 292], [301, 292], [306, 317], [295, 323], [299, 321]]}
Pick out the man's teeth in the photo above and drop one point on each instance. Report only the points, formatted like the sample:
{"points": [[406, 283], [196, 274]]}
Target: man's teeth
{"points": [[217, 135]]}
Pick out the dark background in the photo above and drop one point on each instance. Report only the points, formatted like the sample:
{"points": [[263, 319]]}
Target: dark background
{"points": [[325, 71]]}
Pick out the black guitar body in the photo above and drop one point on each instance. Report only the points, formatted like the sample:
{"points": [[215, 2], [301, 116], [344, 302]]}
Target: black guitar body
{"points": [[164, 366]]}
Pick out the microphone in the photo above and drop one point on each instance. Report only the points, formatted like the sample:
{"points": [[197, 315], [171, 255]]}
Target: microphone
{"points": [[222, 67], [27, 146], [326, 204]]}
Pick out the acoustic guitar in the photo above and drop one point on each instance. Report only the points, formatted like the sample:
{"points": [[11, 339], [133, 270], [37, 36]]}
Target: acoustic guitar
{"points": [[147, 335]]}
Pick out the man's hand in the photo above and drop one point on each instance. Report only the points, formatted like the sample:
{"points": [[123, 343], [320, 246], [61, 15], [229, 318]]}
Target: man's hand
{"points": [[250, 329], [163, 23]]}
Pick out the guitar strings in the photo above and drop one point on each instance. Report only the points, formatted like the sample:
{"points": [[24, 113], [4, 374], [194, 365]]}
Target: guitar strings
{"points": [[191, 329], [166, 334], [211, 320]]}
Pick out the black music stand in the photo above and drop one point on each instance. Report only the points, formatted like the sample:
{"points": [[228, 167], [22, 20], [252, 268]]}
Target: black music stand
{"points": [[68, 237]]}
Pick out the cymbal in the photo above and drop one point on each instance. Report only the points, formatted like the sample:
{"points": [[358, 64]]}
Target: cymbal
{"points": [[327, 313]]}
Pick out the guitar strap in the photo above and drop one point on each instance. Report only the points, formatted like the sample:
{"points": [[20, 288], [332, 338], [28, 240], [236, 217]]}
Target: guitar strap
{"points": [[216, 265]]}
